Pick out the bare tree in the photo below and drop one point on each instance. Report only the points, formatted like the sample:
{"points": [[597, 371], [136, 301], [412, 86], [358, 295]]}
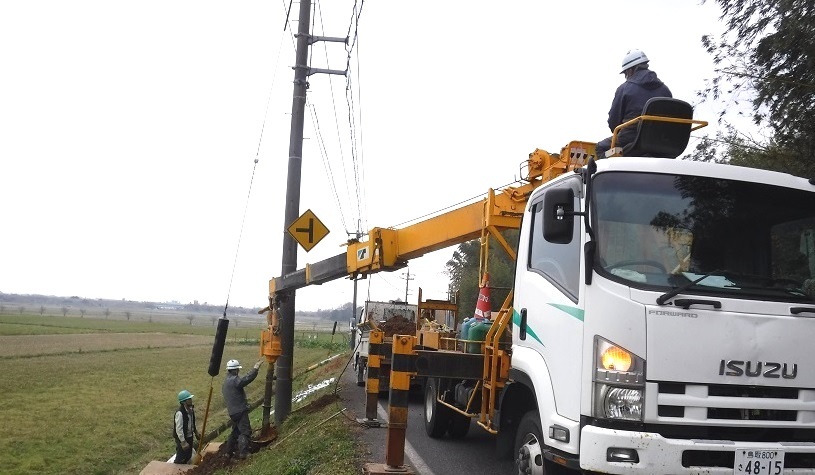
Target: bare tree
{"points": [[64, 311], [190, 317], [82, 313], [107, 313], [2, 308], [127, 316], [214, 319], [22, 309], [151, 318], [42, 310]]}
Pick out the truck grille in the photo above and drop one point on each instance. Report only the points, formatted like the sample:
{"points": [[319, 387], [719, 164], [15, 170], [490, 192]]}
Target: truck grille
{"points": [[730, 405]]}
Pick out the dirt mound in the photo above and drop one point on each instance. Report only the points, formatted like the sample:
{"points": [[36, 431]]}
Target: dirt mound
{"points": [[221, 460], [398, 325]]}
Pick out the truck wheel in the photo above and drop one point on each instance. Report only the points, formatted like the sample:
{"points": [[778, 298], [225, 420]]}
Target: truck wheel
{"points": [[362, 372], [529, 445], [459, 425], [436, 416]]}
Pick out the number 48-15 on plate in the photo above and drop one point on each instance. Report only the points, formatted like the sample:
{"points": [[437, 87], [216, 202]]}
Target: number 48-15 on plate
{"points": [[758, 462]]}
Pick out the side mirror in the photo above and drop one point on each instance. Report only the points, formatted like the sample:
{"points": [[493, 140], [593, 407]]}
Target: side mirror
{"points": [[558, 215]]}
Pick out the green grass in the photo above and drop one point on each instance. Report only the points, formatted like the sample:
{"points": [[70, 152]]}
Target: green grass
{"points": [[7, 328], [38, 325], [111, 411]]}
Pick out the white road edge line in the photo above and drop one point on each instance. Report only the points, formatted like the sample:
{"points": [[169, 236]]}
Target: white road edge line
{"points": [[418, 464]]}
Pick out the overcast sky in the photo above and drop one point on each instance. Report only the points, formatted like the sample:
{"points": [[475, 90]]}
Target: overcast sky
{"points": [[129, 130]]}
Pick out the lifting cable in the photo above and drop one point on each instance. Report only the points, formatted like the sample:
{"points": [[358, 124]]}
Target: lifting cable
{"points": [[243, 221], [254, 168]]}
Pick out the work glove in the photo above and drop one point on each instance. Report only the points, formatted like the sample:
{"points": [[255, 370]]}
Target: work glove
{"points": [[257, 365]]}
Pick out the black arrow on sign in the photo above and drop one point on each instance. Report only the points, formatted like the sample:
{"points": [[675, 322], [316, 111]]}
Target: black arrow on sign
{"points": [[309, 230]]}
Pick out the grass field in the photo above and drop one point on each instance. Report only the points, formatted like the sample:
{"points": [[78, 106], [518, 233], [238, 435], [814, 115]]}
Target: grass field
{"points": [[91, 396]]}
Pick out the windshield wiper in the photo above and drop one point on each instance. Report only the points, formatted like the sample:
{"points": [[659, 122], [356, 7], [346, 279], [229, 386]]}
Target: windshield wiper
{"points": [[678, 290]]}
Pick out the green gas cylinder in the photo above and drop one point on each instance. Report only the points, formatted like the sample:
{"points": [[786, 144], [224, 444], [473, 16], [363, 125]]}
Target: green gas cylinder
{"points": [[478, 331]]}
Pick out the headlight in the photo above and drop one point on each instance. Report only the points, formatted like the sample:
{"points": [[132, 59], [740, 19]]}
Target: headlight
{"points": [[619, 382], [623, 403]]}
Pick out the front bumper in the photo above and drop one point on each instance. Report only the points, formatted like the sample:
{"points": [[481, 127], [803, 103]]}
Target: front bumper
{"points": [[660, 455]]}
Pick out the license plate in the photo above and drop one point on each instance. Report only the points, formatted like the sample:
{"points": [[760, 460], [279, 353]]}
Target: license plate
{"points": [[758, 462]]}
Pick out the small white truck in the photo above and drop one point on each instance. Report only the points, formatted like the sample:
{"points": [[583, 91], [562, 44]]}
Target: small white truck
{"points": [[375, 315]]}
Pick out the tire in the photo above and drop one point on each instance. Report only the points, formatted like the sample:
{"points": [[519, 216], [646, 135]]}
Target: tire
{"points": [[362, 372], [436, 416], [459, 425], [529, 445]]}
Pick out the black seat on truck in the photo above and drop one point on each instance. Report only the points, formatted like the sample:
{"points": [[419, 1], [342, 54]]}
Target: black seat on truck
{"points": [[661, 139]]}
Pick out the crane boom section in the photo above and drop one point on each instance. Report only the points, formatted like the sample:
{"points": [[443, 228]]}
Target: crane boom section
{"points": [[388, 249]]}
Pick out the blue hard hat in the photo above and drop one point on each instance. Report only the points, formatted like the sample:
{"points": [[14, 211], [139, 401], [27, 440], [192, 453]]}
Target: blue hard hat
{"points": [[184, 395]]}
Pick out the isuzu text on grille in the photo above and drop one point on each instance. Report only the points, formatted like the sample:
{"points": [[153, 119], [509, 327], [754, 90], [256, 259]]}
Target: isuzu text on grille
{"points": [[754, 369]]}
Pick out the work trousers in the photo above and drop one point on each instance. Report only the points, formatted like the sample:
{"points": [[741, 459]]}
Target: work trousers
{"points": [[241, 431], [181, 455]]}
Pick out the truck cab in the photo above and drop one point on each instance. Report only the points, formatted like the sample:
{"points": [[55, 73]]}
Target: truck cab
{"points": [[663, 320]]}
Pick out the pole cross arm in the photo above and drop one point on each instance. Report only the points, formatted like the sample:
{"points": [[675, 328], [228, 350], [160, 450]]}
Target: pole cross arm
{"points": [[339, 72], [330, 39]]}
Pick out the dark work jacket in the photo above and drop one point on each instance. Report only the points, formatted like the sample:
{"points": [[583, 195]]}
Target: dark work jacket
{"points": [[630, 99], [188, 425], [233, 391]]}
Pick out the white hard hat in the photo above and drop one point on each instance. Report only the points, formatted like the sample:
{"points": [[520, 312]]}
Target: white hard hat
{"points": [[233, 364], [633, 58]]}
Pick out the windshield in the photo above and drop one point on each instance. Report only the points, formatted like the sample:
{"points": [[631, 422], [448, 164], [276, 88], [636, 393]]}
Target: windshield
{"points": [[662, 231]]}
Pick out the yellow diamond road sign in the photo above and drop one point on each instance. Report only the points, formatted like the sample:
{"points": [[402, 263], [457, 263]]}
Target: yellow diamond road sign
{"points": [[308, 230]]}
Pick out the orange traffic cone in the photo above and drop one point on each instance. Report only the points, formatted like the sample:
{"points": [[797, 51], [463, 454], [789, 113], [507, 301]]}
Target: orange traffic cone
{"points": [[482, 307]]}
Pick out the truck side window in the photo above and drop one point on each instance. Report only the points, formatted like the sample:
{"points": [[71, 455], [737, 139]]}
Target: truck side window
{"points": [[559, 263]]}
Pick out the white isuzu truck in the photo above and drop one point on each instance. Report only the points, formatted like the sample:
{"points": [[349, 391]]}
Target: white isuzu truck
{"points": [[663, 322]]}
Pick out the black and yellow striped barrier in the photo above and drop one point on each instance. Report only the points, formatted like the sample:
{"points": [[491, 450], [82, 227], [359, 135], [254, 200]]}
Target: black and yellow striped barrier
{"points": [[402, 368], [375, 341]]}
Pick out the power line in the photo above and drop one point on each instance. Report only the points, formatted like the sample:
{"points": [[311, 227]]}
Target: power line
{"points": [[286, 24], [356, 13], [326, 162], [361, 147], [334, 107]]}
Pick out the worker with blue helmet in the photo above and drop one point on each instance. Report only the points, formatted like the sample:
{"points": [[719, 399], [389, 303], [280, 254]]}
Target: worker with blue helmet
{"points": [[184, 430]]}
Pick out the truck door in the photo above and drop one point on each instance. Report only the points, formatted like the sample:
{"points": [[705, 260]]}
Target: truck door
{"points": [[547, 288]]}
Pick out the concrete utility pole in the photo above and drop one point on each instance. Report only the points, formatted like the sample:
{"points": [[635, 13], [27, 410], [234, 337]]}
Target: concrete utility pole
{"points": [[354, 322], [289, 257], [407, 278], [282, 403]]}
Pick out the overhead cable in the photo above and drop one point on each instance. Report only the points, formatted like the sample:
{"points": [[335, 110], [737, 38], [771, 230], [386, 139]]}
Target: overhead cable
{"points": [[252, 178], [334, 107], [326, 163]]}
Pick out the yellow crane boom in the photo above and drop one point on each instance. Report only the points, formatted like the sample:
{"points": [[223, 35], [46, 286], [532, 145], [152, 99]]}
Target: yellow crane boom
{"points": [[389, 249]]}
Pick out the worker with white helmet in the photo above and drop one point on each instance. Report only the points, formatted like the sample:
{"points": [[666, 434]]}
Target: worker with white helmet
{"points": [[184, 429], [640, 85], [238, 407]]}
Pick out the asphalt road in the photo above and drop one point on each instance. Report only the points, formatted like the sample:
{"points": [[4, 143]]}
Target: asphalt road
{"points": [[472, 455]]}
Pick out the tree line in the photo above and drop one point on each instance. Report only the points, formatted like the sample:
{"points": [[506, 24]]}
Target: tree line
{"points": [[765, 59]]}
